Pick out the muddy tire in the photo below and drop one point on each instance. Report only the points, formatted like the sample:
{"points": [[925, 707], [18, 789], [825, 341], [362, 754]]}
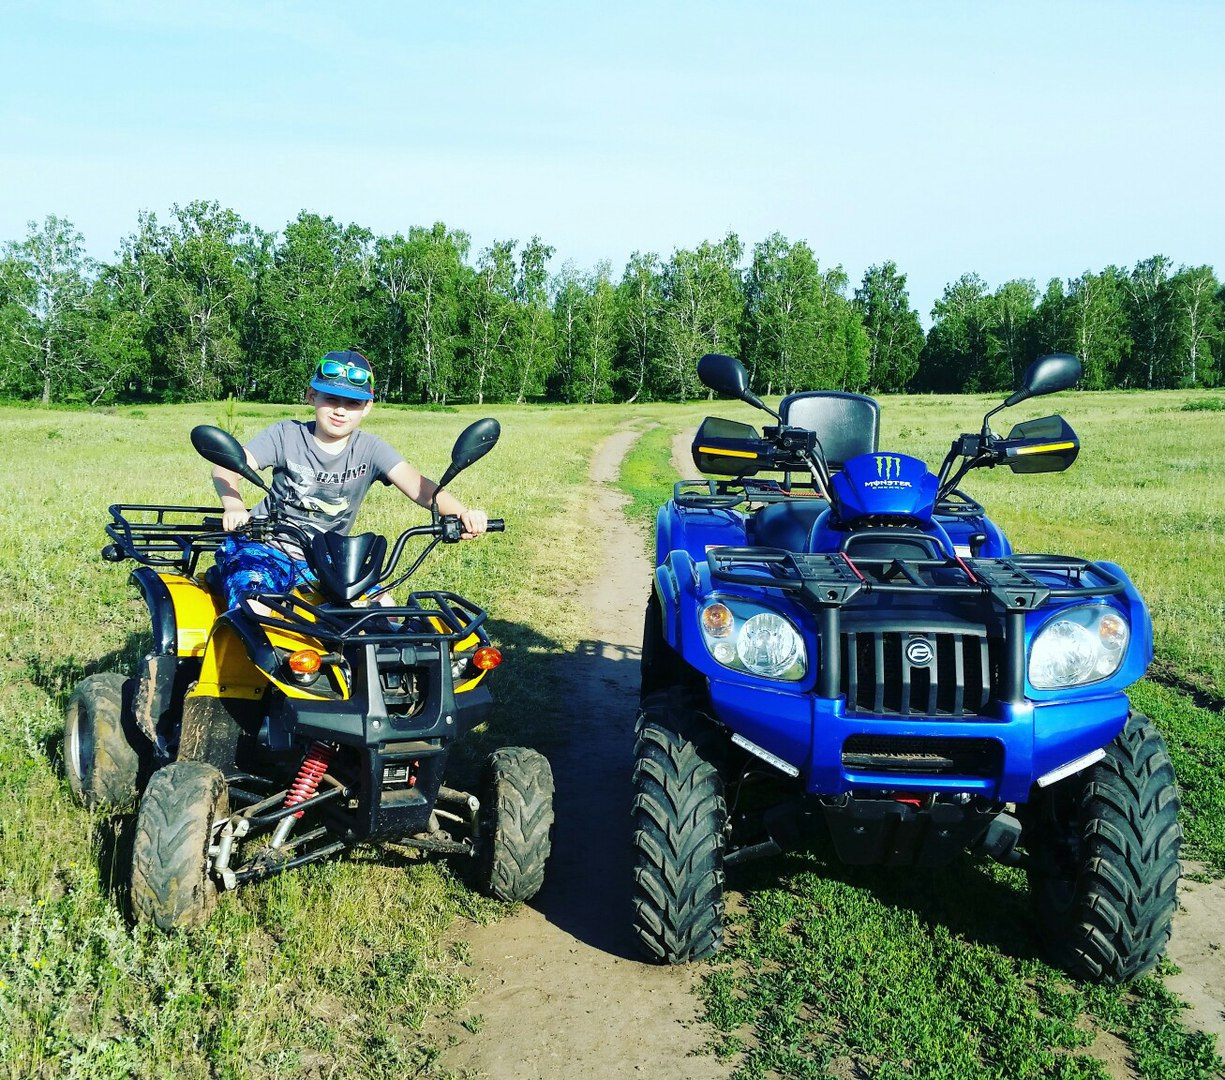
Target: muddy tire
{"points": [[1105, 868], [104, 751], [171, 885], [516, 824], [679, 817]]}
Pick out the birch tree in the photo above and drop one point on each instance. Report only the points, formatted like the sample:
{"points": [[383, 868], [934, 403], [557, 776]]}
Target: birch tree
{"points": [[44, 286], [532, 356], [490, 312], [420, 279], [894, 333], [1151, 322], [702, 302], [311, 299], [1197, 327], [639, 301]]}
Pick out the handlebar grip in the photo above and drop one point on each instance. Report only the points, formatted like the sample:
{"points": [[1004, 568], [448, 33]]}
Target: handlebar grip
{"points": [[495, 525]]}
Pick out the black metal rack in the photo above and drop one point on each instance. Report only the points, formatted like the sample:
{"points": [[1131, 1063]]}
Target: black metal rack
{"points": [[337, 624], [164, 537], [725, 494]]}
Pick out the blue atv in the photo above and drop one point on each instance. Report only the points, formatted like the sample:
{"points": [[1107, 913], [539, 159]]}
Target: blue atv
{"points": [[852, 647]]}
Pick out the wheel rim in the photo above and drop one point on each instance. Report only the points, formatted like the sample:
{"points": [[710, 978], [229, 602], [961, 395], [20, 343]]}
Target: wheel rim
{"points": [[79, 744]]}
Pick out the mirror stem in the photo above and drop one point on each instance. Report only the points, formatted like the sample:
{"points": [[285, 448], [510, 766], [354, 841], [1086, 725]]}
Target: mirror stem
{"points": [[752, 399]]}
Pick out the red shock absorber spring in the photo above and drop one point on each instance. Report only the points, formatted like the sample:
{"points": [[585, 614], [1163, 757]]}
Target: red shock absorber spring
{"points": [[314, 765]]}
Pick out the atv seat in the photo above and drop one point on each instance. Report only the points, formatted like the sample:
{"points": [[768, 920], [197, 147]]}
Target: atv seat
{"points": [[212, 579], [847, 424], [785, 525]]}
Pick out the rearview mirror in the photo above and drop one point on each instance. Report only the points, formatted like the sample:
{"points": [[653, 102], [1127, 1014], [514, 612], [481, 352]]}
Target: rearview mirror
{"points": [[221, 448], [1047, 375], [723, 374], [474, 442], [726, 375]]}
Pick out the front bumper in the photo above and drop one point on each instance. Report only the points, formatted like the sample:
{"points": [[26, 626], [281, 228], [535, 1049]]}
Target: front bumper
{"points": [[996, 758]]}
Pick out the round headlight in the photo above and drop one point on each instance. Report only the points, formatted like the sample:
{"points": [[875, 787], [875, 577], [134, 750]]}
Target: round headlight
{"points": [[1080, 646], [768, 644]]}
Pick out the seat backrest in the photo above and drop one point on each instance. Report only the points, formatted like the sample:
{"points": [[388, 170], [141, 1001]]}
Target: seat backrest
{"points": [[892, 544], [847, 424]]}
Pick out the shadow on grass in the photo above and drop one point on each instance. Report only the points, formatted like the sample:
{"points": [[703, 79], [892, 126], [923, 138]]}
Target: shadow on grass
{"points": [[971, 897]]}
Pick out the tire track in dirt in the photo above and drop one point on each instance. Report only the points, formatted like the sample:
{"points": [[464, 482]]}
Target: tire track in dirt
{"points": [[560, 990]]}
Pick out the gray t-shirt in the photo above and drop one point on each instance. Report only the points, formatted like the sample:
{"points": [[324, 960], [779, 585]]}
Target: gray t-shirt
{"points": [[317, 490]]}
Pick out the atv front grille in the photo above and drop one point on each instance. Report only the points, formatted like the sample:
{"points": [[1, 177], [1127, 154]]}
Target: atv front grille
{"points": [[907, 755], [906, 673]]}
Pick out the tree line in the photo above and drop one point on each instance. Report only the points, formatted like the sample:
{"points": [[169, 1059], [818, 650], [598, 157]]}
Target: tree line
{"points": [[206, 305]]}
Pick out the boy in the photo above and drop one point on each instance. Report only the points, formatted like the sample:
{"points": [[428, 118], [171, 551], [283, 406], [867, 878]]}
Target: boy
{"points": [[321, 472]]}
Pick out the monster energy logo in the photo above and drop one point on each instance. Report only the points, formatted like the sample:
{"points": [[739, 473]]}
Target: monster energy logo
{"points": [[888, 468], [888, 473]]}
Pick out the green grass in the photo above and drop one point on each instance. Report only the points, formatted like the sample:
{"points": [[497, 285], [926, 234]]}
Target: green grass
{"points": [[647, 472], [330, 970], [922, 974], [838, 971]]}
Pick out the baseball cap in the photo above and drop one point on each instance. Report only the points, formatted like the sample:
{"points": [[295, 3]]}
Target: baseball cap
{"points": [[345, 373]]}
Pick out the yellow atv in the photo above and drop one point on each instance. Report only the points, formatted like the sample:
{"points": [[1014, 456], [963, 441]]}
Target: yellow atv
{"points": [[278, 733]]}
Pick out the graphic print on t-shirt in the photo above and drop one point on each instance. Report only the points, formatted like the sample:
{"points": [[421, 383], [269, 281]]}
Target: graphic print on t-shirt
{"points": [[308, 493]]}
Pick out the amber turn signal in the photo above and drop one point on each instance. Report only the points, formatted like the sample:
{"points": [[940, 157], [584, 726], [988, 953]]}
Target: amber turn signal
{"points": [[487, 658], [305, 662]]}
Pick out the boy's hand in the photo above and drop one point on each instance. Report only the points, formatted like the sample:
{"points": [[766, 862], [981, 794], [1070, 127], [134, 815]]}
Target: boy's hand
{"points": [[235, 519], [474, 522]]}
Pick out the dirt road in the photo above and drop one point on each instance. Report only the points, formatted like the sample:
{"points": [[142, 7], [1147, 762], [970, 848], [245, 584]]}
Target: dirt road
{"points": [[561, 993]]}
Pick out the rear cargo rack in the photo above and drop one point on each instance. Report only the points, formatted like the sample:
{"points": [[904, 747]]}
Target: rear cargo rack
{"points": [[826, 583], [164, 537]]}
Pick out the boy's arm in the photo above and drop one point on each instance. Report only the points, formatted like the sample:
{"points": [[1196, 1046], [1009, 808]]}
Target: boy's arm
{"points": [[421, 490], [233, 509]]}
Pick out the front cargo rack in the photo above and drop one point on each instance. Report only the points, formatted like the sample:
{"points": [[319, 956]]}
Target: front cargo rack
{"points": [[429, 616], [834, 579], [725, 494], [825, 583]]}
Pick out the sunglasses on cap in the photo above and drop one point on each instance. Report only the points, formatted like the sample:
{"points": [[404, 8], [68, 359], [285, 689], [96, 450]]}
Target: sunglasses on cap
{"points": [[351, 373]]}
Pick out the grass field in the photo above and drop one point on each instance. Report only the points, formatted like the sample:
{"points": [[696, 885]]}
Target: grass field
{"points": [[328, 972]]}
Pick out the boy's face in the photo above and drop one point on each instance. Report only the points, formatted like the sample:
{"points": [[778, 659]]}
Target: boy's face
{"points": [[336, 416]]}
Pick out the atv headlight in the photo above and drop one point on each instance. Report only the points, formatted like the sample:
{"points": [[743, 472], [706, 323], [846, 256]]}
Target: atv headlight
{"points": [[748, 638], [1079, 646]]}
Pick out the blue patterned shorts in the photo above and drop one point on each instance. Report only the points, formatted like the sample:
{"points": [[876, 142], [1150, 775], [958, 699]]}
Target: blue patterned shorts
{"points": [[249, 568]]}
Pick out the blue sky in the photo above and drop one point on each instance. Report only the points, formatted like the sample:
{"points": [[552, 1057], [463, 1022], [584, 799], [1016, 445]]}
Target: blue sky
{"points": [[1030, 140]]}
